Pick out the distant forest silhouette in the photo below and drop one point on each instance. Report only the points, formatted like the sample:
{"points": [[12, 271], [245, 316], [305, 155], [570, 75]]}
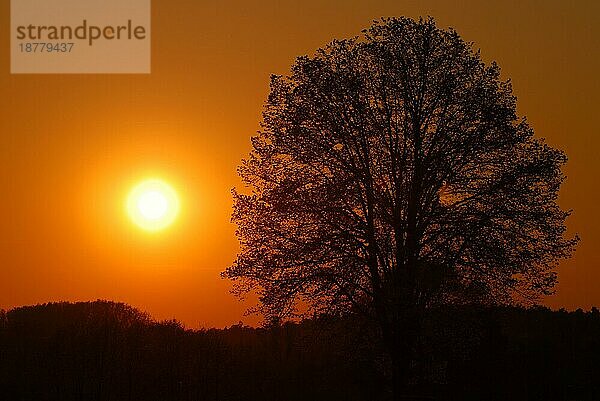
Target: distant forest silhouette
{"points": [[111, 351]]}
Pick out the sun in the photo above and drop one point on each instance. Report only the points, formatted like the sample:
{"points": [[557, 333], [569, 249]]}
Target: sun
{"points": [[153, 205]]}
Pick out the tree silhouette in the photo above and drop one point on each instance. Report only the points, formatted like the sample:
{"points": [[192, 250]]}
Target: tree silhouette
{"points": [[392, 174]]}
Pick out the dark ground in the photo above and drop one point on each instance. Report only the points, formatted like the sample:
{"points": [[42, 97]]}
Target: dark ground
{"points": [[110, 351]]}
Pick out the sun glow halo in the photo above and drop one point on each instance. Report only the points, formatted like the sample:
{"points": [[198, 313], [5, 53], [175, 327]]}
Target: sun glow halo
{"points": [[153, 205]]}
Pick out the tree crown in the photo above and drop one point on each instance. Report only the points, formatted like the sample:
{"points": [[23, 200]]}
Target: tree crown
{"points": [[392, 169]]}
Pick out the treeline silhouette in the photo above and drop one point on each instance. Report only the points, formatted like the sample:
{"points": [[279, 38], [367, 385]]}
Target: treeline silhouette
{"points": [[110, 351]]}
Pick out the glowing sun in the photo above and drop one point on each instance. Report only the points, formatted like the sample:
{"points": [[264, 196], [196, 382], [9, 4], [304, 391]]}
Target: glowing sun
{"points": [[153, 205]]}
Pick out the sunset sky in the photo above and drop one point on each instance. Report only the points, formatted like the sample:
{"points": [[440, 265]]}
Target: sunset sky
{"points": [[73, 146]]}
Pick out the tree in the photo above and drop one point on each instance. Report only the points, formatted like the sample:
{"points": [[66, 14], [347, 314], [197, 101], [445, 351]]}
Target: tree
{"points": [[392, 174]]}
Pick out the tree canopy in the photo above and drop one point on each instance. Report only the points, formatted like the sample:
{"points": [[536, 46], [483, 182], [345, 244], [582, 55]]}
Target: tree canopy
{"points": [[393, 171]]}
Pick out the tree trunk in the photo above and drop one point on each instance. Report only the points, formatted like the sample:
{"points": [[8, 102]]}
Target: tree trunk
{"points": [[401, 341], [400, 375]]}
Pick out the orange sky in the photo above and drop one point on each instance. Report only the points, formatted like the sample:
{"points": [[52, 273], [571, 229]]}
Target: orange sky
{"points": [[71, 146]]}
